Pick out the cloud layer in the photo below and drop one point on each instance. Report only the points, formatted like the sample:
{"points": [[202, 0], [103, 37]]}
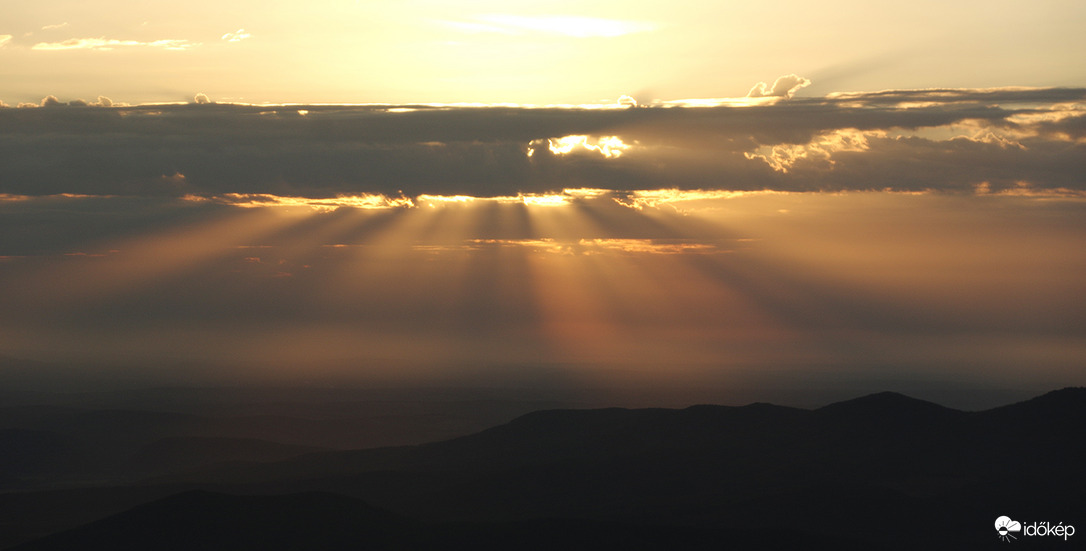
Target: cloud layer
{"points": [[953, 140]]}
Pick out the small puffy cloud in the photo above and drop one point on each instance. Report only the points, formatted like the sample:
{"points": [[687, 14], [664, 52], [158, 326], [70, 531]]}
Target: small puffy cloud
{"points": [[201, 98], [5, 39], [627, 101], [784, 87], [53, 101], [236, 36]]}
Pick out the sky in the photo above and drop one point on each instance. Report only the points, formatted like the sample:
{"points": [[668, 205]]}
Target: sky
{"points": [[697, 196], [399, 51]]}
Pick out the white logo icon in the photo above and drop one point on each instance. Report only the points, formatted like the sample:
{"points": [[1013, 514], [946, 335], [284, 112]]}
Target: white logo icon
{"points": [[1004, 525]]}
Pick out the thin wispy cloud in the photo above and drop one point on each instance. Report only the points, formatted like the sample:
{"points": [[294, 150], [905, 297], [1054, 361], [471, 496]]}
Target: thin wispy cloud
{"points": [[236, 36], [56, 26], [107, 44], [5, 39]]}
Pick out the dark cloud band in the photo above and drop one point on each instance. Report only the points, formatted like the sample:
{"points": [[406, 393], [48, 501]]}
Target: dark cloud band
{"points": [[907, 140]]}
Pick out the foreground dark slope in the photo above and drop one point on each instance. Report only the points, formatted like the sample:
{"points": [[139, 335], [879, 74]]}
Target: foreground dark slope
{"points": [[313, 520], [882, 470]]}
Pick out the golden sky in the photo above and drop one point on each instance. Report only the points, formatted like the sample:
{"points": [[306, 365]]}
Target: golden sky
{"points": [[697, 195], [399, 51]]}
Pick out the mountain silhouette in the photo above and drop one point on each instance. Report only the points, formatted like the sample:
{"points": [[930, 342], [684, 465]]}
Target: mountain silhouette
{"points": [[881, 471], [96, 441], [888, 404]]}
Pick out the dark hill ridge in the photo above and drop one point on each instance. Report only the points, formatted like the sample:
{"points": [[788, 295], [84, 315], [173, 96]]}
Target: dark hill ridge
{"points": [[122, 437], [1065, 401], [890, 428], [887, 404], [871, 469]]}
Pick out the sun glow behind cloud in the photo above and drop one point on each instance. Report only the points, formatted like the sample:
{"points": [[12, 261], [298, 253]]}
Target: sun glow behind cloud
{"points": [[608, 146], [261, 200]]}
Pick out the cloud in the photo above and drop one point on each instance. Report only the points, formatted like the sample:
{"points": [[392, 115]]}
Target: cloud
{"points": [[56, 26], [5, 39], [607, 146], [107, 44], [784, 87], [1001, 140], [53, 101], [257, 200], [236, 36]]}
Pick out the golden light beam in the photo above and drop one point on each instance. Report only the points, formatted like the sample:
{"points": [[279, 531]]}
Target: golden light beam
{"points": [[695, 284], [132, 263]]}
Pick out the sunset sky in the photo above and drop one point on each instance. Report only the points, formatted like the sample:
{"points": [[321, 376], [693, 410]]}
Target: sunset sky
{"points": [[396, 51], [685, 195]]}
